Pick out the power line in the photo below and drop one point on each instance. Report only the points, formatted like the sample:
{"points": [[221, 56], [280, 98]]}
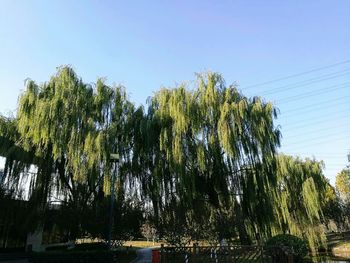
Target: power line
{"points": [[298, 74], [304, 83], [311, 120], [317, 138], [313, 156], [320, 154], [308, 122], [327, 157], [325, 154], [314, 92], [317, 130], [320, 140], [335, 169], [338, 152], [322, 110], [335, 164], [317, 104], [305, 145], [316, 156]]}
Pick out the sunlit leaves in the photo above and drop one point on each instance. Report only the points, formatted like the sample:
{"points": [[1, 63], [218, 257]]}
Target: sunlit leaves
{"points": [[199, 146], [342, 183], [299, 195]]}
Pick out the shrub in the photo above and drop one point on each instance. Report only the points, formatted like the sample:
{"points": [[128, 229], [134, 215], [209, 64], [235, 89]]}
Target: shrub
{"points": [[299, 246]]}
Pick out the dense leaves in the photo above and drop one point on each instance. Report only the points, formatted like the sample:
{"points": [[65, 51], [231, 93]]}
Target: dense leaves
{"points": [[299, 196], [202, 157], [298, 245], [343, 183]]}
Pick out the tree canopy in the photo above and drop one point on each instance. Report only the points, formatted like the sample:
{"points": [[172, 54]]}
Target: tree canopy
{"points": [[195, 152]]}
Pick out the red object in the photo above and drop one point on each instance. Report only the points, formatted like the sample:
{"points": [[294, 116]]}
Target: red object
{"points": [[155, 256]]}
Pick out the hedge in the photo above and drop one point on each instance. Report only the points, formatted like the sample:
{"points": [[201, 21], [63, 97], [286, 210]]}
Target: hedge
{"points": [[299, 246]]}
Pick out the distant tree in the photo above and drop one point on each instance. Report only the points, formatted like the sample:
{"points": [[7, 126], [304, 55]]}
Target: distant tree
{"points": [[127, 220], [342, 183], [333, 209], [173, 224], [148, 231]]}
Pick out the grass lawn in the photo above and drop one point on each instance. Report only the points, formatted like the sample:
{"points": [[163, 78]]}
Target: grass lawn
{"points": [[141, 244], [132, 243]]}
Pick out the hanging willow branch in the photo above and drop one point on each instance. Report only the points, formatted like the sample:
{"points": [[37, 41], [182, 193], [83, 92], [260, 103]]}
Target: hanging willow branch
{"points": [[204, 149]]}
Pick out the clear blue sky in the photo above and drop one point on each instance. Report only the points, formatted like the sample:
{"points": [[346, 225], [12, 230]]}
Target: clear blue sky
{"points": [[148, 44]]}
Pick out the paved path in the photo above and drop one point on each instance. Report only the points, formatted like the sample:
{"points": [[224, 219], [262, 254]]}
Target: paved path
{"points": [[144, 255]]}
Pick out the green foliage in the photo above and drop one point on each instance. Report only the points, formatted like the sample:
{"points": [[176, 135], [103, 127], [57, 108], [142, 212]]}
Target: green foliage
{"points": [[298, 199], [213, 144], [173, 225], [127, 220], [67, 129], [202, 156], [332, 208], [17, 160], [298, 245], [71, 123], [342, 183]]}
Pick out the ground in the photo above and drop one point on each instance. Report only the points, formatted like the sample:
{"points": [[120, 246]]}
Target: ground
{"points": [[144, 255], [339, 244]]}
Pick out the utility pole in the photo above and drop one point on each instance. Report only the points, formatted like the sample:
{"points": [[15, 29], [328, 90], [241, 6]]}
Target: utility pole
{"points": [[114, 157]]}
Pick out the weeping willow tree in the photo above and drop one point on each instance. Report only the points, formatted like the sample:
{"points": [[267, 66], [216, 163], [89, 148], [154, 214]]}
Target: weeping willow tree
{"points": [[210, 146], [17, 160], [202, 156], [71, 128], [212, 151], [299, 197]]}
